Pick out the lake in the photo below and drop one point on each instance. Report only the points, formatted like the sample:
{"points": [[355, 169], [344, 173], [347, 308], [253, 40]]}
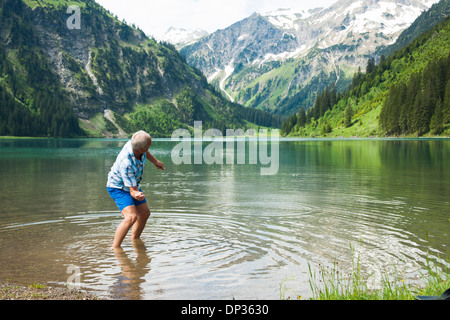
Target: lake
{"points": [[223, 231]]}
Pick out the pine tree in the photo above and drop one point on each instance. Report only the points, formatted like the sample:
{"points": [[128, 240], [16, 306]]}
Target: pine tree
{"points": [[392, 112], [415, 114], [436, 126], [446, 104], [301, 121], [370, 65], [403, 123], [428, 106], [348, 116]]}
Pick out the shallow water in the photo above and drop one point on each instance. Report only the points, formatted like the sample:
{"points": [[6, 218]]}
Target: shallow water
{"points": [[223, 231]]}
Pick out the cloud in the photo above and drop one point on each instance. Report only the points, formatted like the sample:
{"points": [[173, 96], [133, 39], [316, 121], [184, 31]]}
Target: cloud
{"points": [[154, 16]]}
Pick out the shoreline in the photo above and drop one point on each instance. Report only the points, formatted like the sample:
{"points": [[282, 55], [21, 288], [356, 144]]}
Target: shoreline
{"points": [[281, 138], [37, 291]]}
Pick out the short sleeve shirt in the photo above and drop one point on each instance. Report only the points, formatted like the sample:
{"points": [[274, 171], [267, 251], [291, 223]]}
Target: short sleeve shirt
{"points": [[127, 171]]}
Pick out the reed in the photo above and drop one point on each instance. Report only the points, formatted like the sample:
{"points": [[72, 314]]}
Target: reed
{"points": [[331, 283]]}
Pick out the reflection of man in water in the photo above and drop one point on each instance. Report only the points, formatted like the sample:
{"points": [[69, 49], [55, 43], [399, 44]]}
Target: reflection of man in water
{"points": [[123, 185], [133, 272]]}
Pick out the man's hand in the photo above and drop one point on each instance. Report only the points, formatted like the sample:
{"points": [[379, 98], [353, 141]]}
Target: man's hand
{"points": [[138, 195], [159, 165]]}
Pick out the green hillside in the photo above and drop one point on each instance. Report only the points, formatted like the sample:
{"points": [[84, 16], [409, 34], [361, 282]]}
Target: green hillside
{"points": [[105, 78], [406, 94]]}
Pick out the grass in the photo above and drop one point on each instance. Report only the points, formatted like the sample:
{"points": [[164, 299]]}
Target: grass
{"points": [[331, 283], [37, 286]]}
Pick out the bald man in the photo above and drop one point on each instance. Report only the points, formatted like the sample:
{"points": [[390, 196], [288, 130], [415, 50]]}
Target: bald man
{"points": [[123, 185]]}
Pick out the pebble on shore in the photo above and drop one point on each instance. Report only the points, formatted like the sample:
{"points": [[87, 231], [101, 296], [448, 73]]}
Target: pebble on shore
{"points": [[10, 291]]}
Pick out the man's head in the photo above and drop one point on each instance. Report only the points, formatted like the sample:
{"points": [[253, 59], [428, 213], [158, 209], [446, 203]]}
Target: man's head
{"points": [[141, 141]]}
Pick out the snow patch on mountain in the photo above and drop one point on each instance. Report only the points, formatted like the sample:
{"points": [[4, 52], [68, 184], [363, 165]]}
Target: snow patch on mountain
{"points": [[281, 56], [180, 37], [229, 69]]}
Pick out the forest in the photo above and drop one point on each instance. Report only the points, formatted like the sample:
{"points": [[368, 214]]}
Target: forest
{"points": [[420, 105], [163, 117], [32, 103]]}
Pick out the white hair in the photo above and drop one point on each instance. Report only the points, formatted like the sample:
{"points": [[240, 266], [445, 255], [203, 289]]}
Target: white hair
{"points": [[140, 140]]}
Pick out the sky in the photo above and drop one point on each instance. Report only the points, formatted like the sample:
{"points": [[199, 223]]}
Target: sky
{"points": [[155, 17]]}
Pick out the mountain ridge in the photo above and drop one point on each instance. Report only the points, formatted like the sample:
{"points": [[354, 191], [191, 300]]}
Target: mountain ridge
{"points": [[323, 46]]}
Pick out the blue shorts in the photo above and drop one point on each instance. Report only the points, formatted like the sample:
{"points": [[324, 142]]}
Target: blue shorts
{"points": [[123, 198]]}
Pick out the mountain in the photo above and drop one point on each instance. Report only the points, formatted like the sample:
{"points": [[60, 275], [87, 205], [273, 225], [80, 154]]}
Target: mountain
{"points": [[279, 61], [180, 37], [70, 68], [405, 94]]}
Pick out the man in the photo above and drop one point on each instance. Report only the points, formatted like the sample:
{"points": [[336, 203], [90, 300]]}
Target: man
{"points": [[123, 185]]}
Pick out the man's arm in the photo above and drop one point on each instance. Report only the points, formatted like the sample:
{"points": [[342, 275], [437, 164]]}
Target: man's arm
{"points": [[158, 164]]}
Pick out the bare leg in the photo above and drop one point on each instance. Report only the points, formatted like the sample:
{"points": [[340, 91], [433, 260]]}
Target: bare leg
{"points": [[143, 213], [130, 218]]}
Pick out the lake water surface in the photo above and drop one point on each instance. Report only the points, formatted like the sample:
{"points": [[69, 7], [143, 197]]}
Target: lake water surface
{"points": [[223, 231]]}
